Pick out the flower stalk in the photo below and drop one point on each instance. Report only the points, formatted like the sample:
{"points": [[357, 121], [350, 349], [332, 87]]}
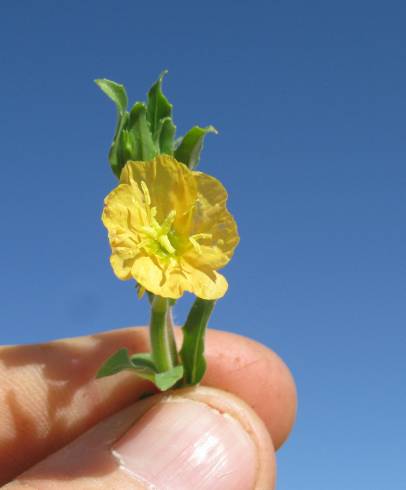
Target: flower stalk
{"points": [[171, 335], [161, 335]]}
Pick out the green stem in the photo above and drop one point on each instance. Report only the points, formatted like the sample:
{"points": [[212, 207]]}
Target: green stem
{"points": [[158, 331], [171, 336]]}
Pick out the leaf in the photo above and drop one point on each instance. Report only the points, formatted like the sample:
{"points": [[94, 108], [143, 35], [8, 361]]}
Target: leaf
{"points": [[192, 351], [116, 92], [166, 380], [166, 136], [114, 364], [177, 142], [115, 153], [143, 360], [138, 125], [118, 95], [126, 148], [143, 366], [158, 107], [191, 145]]}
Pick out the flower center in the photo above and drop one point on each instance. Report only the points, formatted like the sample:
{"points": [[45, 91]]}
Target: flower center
{"points": [[159, 238], [162, 239]]}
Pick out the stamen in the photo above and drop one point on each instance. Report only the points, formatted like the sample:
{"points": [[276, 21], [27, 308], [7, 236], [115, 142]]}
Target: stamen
{"points": [[150, 231], [202, 236], [155, 236], [195, 245], [166, 244], [168, 222]]}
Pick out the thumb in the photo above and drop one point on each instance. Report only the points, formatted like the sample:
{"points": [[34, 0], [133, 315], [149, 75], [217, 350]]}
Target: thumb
{"points": [[194, 438]]}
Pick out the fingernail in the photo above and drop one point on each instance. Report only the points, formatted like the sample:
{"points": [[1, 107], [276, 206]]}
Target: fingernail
{"points": [[181, 444]]}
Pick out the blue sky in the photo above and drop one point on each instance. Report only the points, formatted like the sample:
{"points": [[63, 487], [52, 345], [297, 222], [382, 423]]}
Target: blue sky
{"points": [[309, 99]]}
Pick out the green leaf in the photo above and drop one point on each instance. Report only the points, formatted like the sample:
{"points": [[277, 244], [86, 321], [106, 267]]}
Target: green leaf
{"points": [[166, 380], [138, 125], [143, 360], [192, 352], [118, 95], [115, 152], [158, 107], [177, 142], [166, 136], [126, 148], [143, 366], [191, 145], [114, 364], [116, 92]]}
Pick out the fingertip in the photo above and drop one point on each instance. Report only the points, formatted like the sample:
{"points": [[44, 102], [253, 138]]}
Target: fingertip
{"points": [[189, 438], [255, 374]]}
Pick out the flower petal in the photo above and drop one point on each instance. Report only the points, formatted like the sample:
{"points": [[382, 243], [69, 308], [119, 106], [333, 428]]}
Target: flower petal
{"points": [[205, 284], [171, 185], [172, 281], [211, 217], [148, 272], [122, 265], [122, 207]]}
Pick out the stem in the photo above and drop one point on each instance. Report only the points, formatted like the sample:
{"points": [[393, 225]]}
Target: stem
{"points": [[158, 331], [171, 336]]}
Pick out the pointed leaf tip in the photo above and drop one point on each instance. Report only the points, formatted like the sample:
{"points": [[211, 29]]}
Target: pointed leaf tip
{"points": [[191, 145], [115, 91], [211, 129], [163, 74], [114, 364]]}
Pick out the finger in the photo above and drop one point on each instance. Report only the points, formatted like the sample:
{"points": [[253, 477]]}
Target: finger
{"points": [[193, 438], [48, 394], [257, 375]]}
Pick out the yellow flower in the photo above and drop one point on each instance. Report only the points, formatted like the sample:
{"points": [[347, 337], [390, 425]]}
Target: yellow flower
{"points": [[169, 229]]}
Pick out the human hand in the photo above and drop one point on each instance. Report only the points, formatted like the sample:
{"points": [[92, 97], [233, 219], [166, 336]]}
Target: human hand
{"points": [[201, 438]]}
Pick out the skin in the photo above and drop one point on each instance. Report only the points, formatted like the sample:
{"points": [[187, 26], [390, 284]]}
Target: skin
{"points": [[49, 397]]}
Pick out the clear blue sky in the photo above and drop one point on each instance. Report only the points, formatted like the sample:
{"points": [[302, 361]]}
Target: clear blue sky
{"points": [[309, 98]]}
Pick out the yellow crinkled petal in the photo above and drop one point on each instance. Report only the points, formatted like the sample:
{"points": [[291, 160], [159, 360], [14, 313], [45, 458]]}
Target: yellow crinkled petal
{"points": [[205, 284], [123, 211], [122, 265], [211, 217], [168, 282], [147, 272], [172, 281], [171, 186], [123, 206]]}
